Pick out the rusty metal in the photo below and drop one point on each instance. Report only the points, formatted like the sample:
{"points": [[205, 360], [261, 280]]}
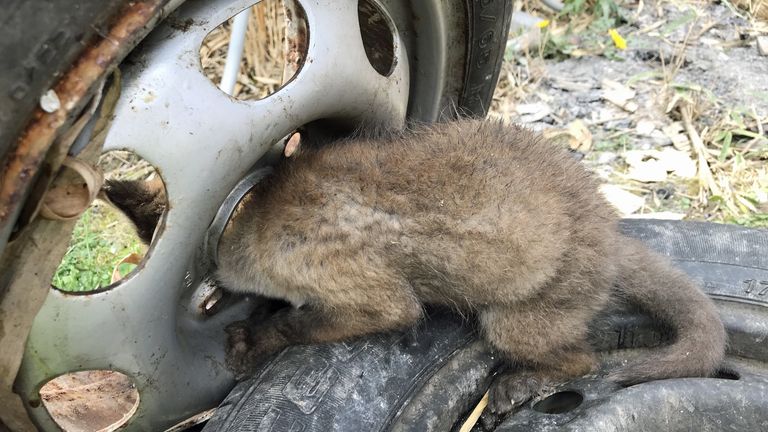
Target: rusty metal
{"points": [[27, 267], [73, 88]]}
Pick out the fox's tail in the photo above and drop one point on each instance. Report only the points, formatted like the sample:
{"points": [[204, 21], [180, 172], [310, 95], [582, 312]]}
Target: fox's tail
{"points": [[650, 282]]}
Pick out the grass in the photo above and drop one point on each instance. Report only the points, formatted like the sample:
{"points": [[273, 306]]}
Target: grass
{"points": [[103, 236], [101, 239]]}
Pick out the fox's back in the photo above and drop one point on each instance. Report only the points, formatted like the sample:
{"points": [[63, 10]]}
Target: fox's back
{"points": [[468, 205]]}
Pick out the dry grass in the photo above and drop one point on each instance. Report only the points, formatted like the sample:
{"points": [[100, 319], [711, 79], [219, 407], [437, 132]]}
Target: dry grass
{"points": [[261, 69], [756, 8]]}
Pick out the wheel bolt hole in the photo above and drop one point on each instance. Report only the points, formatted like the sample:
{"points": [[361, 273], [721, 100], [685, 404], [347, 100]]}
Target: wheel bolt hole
{"points": [[560, 402], [378, 37], [91, 400], [106, 247], [274, 48], [726, 374]]}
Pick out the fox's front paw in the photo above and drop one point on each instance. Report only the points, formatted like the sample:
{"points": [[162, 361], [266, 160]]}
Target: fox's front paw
{"points": [[510, 390], [248, 346]]}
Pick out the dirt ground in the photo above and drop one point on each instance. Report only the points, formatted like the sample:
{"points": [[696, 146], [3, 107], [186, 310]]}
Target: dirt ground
{"points": [[675, 120]]}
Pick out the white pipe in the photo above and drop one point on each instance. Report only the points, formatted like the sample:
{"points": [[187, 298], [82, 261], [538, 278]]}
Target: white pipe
{"points": [[234, 52]]}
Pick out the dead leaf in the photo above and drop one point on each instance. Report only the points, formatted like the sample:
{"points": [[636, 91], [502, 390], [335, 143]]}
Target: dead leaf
{"points": [[654, 165], [625, 202], [580, 137], [762, 44], [648, 171], [678, 162], [676, 132], [619, 95], [132, 258], [645, 127]]}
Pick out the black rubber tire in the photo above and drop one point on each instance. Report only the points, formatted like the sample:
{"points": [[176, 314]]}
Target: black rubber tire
{"points": [[426, 380], [39, 40], [489, 23]]}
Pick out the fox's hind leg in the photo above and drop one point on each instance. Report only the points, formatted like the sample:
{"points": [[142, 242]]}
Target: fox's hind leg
{"points": [[550, 346]]}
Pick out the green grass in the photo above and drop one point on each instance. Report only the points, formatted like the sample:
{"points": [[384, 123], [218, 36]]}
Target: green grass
{"points": [[601, 16], [102, 237], [755, 220]]}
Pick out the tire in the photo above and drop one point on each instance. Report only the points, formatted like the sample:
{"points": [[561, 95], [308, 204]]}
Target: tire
{"points": [[489, 23], [426, 379], [54, 34]]}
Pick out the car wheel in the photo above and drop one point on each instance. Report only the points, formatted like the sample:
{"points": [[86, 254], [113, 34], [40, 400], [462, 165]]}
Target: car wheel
{"points": [[155, 326]]}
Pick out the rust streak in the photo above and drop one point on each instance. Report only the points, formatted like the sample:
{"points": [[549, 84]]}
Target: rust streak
{"points": [[23, 162]]}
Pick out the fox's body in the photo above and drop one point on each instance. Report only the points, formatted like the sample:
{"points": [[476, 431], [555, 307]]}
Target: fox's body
{"points": [[485, 218]]}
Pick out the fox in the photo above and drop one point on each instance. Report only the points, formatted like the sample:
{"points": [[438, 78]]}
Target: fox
{"points": [[359, 233]]}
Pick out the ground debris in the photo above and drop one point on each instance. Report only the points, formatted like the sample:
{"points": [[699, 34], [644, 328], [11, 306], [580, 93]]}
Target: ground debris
{"points": [[653, 165], [699, 57], [619, 95], [625, 202], [762, 45]]}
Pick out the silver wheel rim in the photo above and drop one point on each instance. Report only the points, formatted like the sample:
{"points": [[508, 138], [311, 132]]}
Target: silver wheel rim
{"points": [[150, 326]]}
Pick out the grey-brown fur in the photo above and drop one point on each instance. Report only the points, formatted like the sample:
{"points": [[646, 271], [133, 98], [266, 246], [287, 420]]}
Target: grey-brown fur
{"points": [[488, 219], [143, 203]]}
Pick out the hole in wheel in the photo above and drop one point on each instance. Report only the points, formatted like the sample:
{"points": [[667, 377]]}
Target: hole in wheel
{"points": [[378, 36], [270, 54], [95, 400], [560, 402], [726, 374], [106, 247]]}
